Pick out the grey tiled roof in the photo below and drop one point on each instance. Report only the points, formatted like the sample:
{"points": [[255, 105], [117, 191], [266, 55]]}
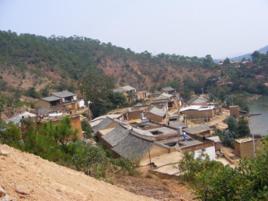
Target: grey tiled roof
{"points": [[124, 89], [116, 135], [103, 124], [63, 94], [168, 89], [164, 96], [51, 98], [199, 100], [197, 129], [132, 147]]}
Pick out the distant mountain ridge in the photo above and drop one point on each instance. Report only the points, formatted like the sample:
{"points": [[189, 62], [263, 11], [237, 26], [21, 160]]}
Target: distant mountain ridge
{"points": [[263, 50]]}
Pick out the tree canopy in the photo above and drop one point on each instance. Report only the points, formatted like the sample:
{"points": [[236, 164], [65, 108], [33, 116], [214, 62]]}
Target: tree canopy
{"points": [[212, 181]]}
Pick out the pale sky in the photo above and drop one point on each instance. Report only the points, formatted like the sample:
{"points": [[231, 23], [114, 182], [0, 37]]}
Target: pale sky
{"points": [[187, 27]]}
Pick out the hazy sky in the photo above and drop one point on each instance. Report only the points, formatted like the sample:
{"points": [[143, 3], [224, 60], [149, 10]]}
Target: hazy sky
{"points": [[189, 27]]}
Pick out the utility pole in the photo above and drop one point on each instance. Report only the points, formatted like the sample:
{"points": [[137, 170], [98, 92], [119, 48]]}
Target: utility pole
{"points": [[150, 157], [254, 145]]}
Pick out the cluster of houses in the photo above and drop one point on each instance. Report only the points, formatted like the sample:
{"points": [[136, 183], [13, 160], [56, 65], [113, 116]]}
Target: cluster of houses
{"points": [[141, 142], [54, 108], [156, 131]]}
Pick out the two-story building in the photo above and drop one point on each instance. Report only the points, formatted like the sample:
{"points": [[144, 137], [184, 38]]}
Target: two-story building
{"points": [[61, 104]]}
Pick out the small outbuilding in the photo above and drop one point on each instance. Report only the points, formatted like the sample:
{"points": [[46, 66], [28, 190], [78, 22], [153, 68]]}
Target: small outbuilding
{"points": [[246, 147], [156, 114]]}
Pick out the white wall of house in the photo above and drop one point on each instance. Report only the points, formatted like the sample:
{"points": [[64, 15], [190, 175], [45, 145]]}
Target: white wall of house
{"points": [[81, 103], [209, 151]]}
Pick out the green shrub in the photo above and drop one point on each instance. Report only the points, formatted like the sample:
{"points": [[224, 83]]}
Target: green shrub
{"points": [[56, 142], [87, 129], [11, 135], [213, 181]]}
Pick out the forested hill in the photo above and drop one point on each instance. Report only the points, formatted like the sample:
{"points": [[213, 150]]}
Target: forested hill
{"points": [[29, 60], [33, 66]]}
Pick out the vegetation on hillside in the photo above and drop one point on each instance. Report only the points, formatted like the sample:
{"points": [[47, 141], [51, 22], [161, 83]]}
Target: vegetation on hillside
{"points": [[236, 129], [212, 181], [249, 77], [74, 62], [57, 142], [94, 68], [98, 89], [75, 54]]}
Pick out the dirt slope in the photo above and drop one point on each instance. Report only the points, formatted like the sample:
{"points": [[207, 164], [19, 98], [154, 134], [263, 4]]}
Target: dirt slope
{"points": [[158, 188], [28, 177]]}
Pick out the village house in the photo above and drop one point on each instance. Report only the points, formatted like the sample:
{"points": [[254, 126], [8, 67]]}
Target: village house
{"points": [[234, 111], [63, 104], [173, 101], [129, 92], [159, 115], [200, 109], [198, 113], [138, 149], [245, 147], [201, 100], [135, 114], [185, 143], [124, 141], [142, 95], [168, 90], [56, 99], [201, 132], [75, 120], [63, 101], [175, 139]]}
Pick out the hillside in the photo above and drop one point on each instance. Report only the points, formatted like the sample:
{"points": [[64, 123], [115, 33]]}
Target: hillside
{"points": [[32, 66], [29, 60], [27, 177]]}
